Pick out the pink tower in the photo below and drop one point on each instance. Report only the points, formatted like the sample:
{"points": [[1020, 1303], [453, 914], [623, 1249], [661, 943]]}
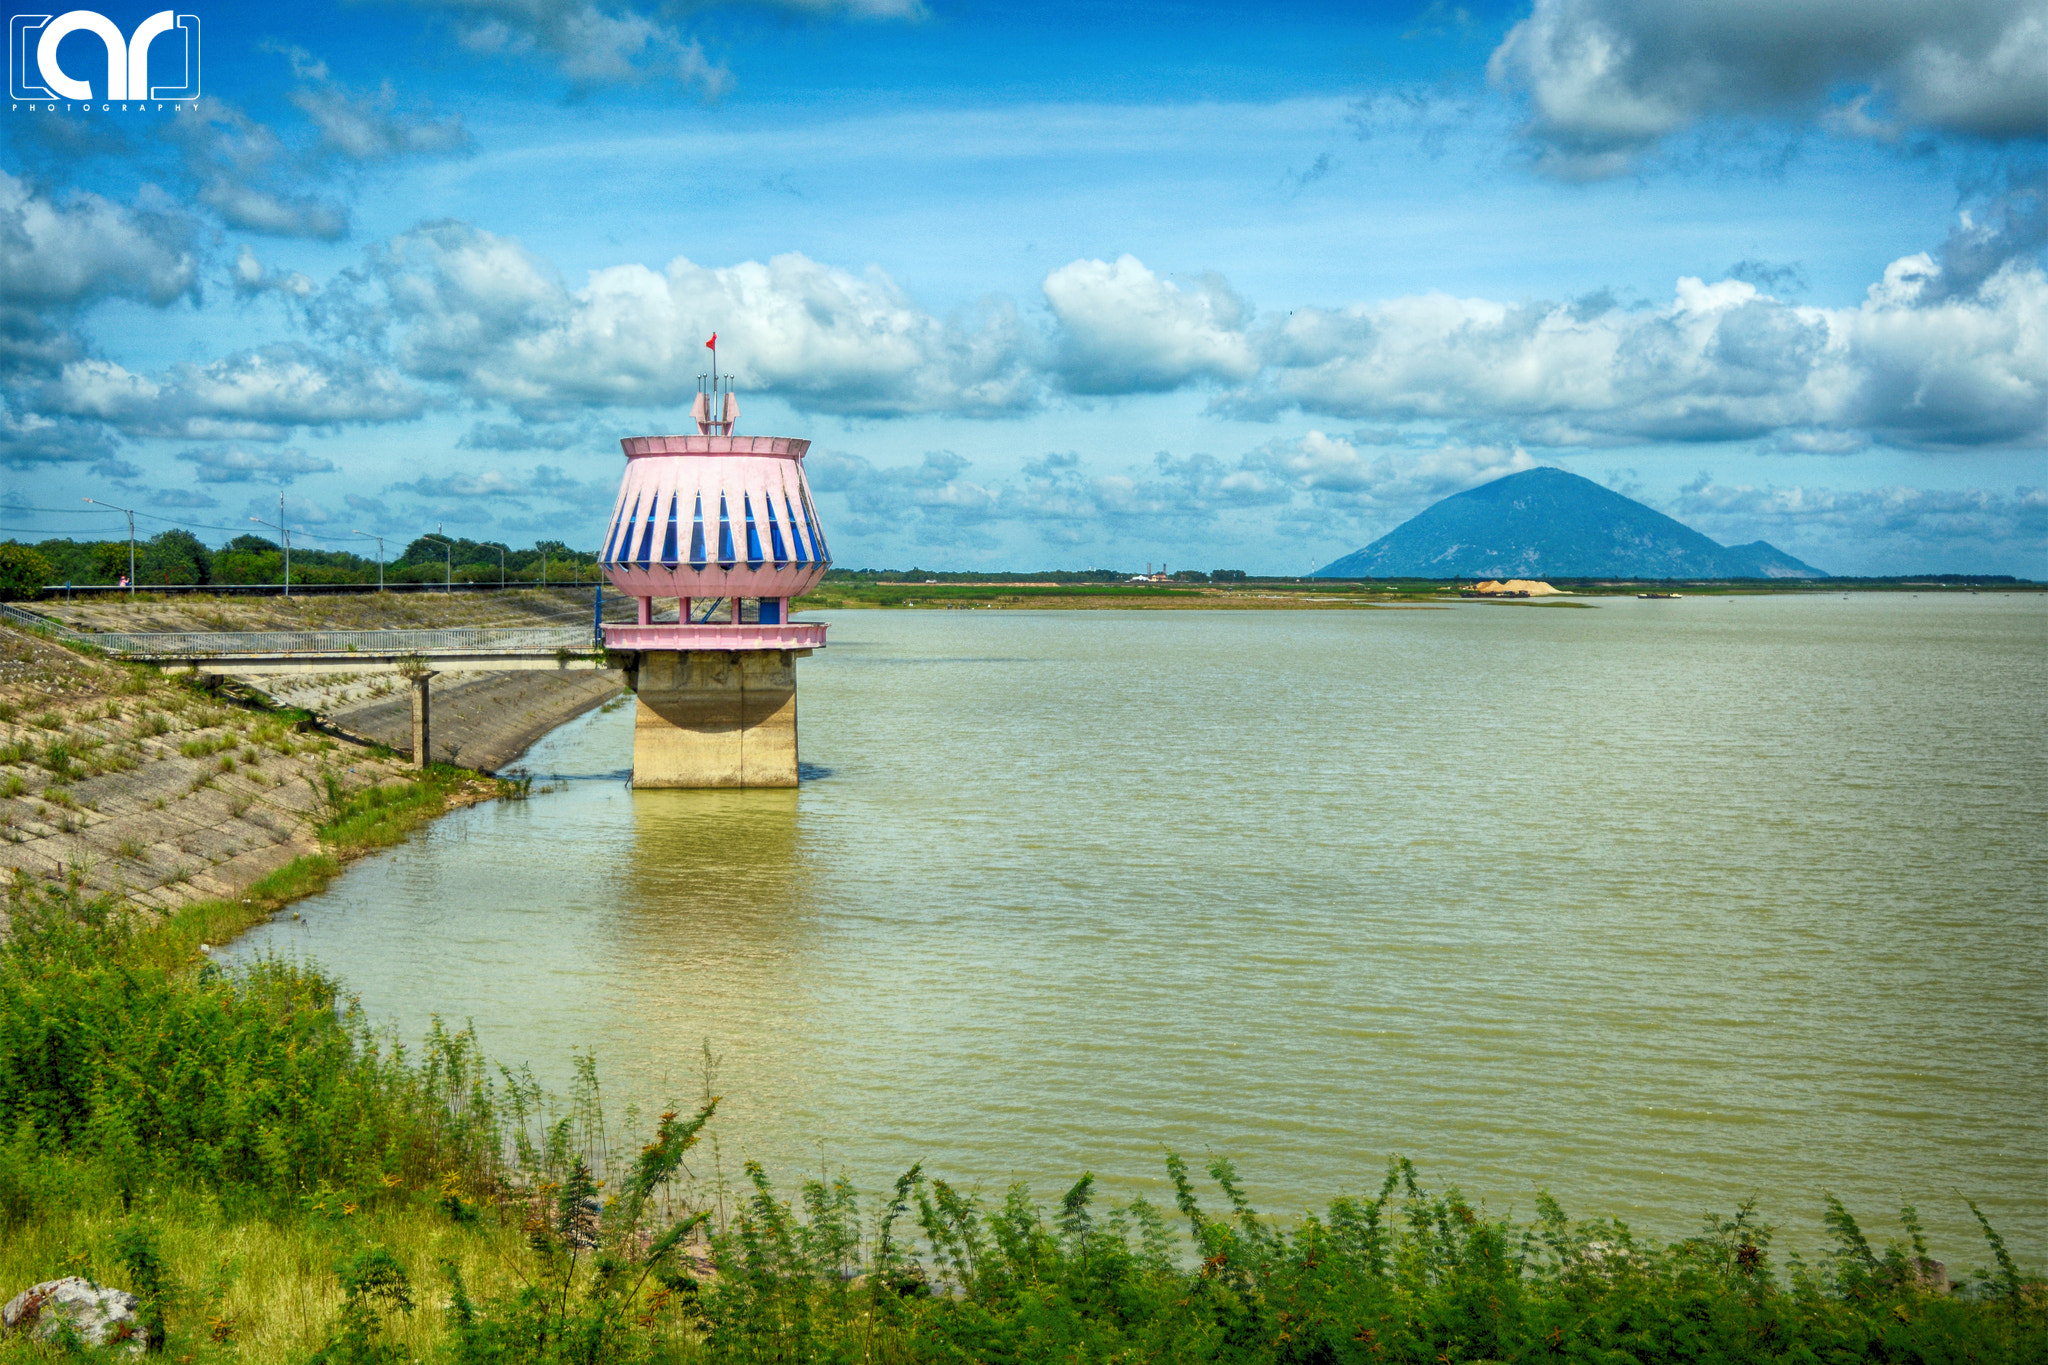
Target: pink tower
{"points": [[723, 524]]}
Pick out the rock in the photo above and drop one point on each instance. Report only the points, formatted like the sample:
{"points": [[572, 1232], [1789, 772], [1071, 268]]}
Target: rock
{"points": [[1605, 1259], [99, 1315], [1923, 1273]]}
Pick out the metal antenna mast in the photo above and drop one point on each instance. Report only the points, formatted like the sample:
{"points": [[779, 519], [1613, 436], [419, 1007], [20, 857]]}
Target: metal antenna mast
{"points": [[715, 411]]}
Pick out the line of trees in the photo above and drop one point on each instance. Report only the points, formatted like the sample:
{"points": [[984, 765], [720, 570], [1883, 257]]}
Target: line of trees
{"points": [[917, 575], [177, 556]]}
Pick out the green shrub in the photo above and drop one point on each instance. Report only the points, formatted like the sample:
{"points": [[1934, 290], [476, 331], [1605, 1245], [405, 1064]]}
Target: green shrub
{"points": [[127, 1076], [23, 573], [380, 816], [57, 758], [208, 745], [257, 1087]]}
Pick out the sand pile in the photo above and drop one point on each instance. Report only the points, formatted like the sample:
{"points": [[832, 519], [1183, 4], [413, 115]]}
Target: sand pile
{"points": [[1516, 587]]}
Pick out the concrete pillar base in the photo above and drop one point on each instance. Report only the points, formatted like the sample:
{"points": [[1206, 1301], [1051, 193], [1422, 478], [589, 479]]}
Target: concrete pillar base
{"points": [[422, 721], [715, 718]]}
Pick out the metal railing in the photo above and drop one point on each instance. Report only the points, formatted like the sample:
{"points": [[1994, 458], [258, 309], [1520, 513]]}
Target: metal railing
{"points": [[89, 591], [200, 643], [23, 617], [204, 642]]}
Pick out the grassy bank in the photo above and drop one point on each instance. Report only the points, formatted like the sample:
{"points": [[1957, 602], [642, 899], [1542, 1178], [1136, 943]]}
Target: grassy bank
{"points": [[843, 595], [282, 1185], [165, 792], [958, 591], [358, 821]]}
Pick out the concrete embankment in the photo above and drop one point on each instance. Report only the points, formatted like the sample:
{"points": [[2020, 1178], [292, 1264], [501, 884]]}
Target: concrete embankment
{"points": [[129, 782], [481, 720], [136, 783]]}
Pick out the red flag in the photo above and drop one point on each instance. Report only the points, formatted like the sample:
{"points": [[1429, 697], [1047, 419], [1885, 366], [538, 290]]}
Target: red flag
{"points": [[713, 343]]}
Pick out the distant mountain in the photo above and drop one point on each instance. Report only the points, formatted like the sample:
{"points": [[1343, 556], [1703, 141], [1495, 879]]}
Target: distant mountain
{"points": [[1546, 523]]}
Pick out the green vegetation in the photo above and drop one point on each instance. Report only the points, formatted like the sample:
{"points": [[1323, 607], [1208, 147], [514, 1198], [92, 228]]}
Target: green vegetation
{"points": [[23, 573], [361, 821], [176, 556], [279, 1184], [917, 575], [378, 817], [1220, 589], [224, 1135], [829, 595]]}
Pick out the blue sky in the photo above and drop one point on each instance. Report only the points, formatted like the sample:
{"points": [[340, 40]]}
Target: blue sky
{"points": [[1052, 286]]}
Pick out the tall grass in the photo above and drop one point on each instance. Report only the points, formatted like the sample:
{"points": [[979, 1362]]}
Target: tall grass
{"points": [[254, 1088], [381, 816], [280, 1184]]}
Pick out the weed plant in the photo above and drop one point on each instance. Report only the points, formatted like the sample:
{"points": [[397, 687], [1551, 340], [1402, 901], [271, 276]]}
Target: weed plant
{"points": [[278, 1183], [380, 816]]}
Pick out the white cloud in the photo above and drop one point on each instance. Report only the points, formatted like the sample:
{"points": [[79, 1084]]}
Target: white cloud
{"points": [[281, 184], [294, 386], [1608, 79], [1125, 330], [181, 497], [299, 512], [254, 209], [1881, 530], [1339, 473], [251, 278], [88, 248], [618, 42], [928, 502], [479, 311], [938, 501], [239, 464], [253, 395], [33, 438], [528, 436], [491, 483], [935, 503], [365, 127], [1722, 361], [1939, 354], [591, 43], [248, 175], [102, 389]]}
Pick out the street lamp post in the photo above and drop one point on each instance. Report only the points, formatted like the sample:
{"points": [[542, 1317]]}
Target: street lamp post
{"points": [[283, 533], [131, 541], [287, 547], [501, 564], [380, 555], [448, 580]]}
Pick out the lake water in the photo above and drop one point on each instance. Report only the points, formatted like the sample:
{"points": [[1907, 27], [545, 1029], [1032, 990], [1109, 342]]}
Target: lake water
{"points": [[1659, 905]]}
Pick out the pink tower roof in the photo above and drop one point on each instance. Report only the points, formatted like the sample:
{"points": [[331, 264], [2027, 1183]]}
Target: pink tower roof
{"points": [[714, 516]]}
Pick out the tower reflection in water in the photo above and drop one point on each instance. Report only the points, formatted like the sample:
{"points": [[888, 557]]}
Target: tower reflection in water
{"points": [[716, 927]]}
